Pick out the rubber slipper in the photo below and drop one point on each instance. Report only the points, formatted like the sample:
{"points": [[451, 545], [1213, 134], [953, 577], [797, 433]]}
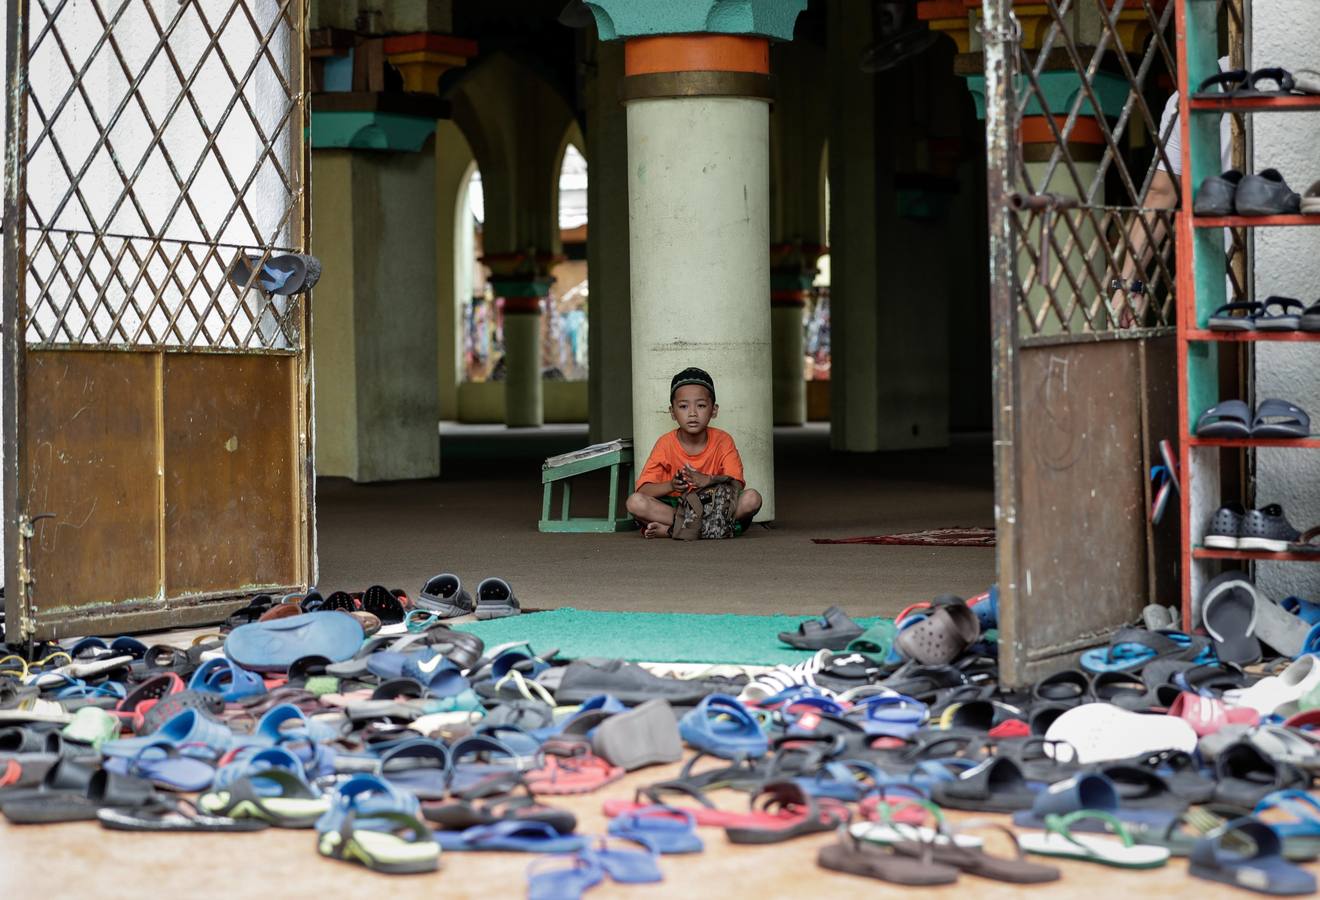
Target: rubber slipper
{"points": [[1101, 731], [1132, 649], [1016, 869], [996, 785], [1259, 866], [421, 767], [173, 814], [876, 642], [103, 790], [165, 767], [832, 631], [1061, 840], [1229, 82], [187, 727], [1068, 688], [495, 600], [602, 702], [227, 679], [519, 803], [645, 736], [669, 830], [370, 823], [550, 879], [853, 857], [511, 837], [275, 796], [1301, 833], [273, 646], [1247, 776], [441, 677], [1088, 791], [1229, 419], [626, 865], [479, 758], [889, 714], [1284, 745], [444, 594], [1240, 316], [581, 772], [1207, 715], [721, 726], [1280, 419], [284, 274], [782, 810], [386, 605], [1265, 193], [1280, 314], [942, 636]]}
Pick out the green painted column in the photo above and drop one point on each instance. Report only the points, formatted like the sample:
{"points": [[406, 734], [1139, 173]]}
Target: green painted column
{"points": [[521, 298], [697, 89]]}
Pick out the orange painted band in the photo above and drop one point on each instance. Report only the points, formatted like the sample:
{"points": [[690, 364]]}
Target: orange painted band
{"points": [[788, 298], [696, 53], [522, 304], [1035, 130]]}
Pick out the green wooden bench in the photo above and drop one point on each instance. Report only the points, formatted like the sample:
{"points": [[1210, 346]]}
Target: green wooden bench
{"points": [[617, 456]]}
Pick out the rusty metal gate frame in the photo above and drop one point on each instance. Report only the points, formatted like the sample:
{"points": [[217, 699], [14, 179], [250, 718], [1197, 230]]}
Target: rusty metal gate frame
{"points": [[1052, 254], [147, 289]]}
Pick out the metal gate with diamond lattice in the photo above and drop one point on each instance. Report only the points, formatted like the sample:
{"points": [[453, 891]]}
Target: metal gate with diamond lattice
{"points": [[157, 455], [1081, 208]]}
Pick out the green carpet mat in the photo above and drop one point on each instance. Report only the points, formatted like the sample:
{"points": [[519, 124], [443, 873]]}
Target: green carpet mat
{"points": [[653, 637]]}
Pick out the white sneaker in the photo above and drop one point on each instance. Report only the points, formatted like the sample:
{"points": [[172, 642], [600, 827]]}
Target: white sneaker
{"points": [[1279, 693]]}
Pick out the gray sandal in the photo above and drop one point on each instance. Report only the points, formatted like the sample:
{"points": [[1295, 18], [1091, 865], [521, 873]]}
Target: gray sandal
{"points": [[1280, 419], [495, 599], [1229, 419]]}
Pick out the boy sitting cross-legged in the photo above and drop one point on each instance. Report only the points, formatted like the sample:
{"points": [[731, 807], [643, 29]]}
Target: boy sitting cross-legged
{"points": [[687, 458]]}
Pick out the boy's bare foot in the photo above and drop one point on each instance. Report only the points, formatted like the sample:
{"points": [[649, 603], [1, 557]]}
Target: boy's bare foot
{"points": [[655, 530]]}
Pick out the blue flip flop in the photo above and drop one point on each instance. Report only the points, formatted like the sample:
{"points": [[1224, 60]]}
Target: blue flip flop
{"points": [[1305, 810], [549, 879], [1262, 869], [625, 865], [721, 726], [274, 645], [512, 836], [228, 679], [891, 715], [374, 823], [188, 727], [1089, 791], [669, 830], [480, 758], [165, 766], [848, 780], [255, 760]]}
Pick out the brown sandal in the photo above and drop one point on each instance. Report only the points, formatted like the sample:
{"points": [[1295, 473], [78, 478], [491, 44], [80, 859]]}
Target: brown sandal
{"points": [[873, 861], [975, 861]]}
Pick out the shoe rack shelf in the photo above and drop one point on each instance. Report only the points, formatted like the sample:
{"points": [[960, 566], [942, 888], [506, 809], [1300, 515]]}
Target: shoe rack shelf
{"points": [[1239, 337], [1297, 220], [1201, 289], [1250, 104], [1258, 555]]}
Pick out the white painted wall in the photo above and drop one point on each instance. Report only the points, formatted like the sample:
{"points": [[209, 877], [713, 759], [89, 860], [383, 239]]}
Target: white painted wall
{"points": [[1287, 263]]}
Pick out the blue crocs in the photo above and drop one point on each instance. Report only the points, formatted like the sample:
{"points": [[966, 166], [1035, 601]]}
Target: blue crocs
{"points": [[224, 677], [721, 726]]}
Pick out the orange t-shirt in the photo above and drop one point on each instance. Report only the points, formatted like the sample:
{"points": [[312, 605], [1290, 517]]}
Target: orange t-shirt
{"points": [[668, 456]]}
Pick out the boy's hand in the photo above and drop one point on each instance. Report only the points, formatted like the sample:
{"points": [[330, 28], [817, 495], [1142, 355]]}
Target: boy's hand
{"points": [[679, 483], [695, 478]]}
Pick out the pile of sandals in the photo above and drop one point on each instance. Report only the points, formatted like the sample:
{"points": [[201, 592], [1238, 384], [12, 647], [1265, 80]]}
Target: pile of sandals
{"points": [[418, 741]]}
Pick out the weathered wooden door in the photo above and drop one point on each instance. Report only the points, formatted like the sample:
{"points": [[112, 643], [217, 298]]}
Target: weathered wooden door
{"points": [[1084, 371], [157, 454]]}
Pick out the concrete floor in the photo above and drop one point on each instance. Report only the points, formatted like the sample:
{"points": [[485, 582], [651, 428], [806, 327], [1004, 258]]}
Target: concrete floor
{"points": [[479, 519]]}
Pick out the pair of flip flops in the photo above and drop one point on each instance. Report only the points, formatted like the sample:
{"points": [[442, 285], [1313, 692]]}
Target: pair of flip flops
{"points": [[1273, 314], [1274, 419]]}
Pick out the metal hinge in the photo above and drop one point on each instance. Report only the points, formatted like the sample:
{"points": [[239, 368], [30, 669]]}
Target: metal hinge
{"points": [[27, 621]]}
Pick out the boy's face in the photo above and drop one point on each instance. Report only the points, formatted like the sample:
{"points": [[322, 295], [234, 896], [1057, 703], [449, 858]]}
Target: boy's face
{"points": [[692, 408]]}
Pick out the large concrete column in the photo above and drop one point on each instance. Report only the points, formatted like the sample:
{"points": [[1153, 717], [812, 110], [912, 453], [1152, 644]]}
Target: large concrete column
{"points": [[453, 258], [375, 408], [792, 271], [697, 89], [521, 283]]}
